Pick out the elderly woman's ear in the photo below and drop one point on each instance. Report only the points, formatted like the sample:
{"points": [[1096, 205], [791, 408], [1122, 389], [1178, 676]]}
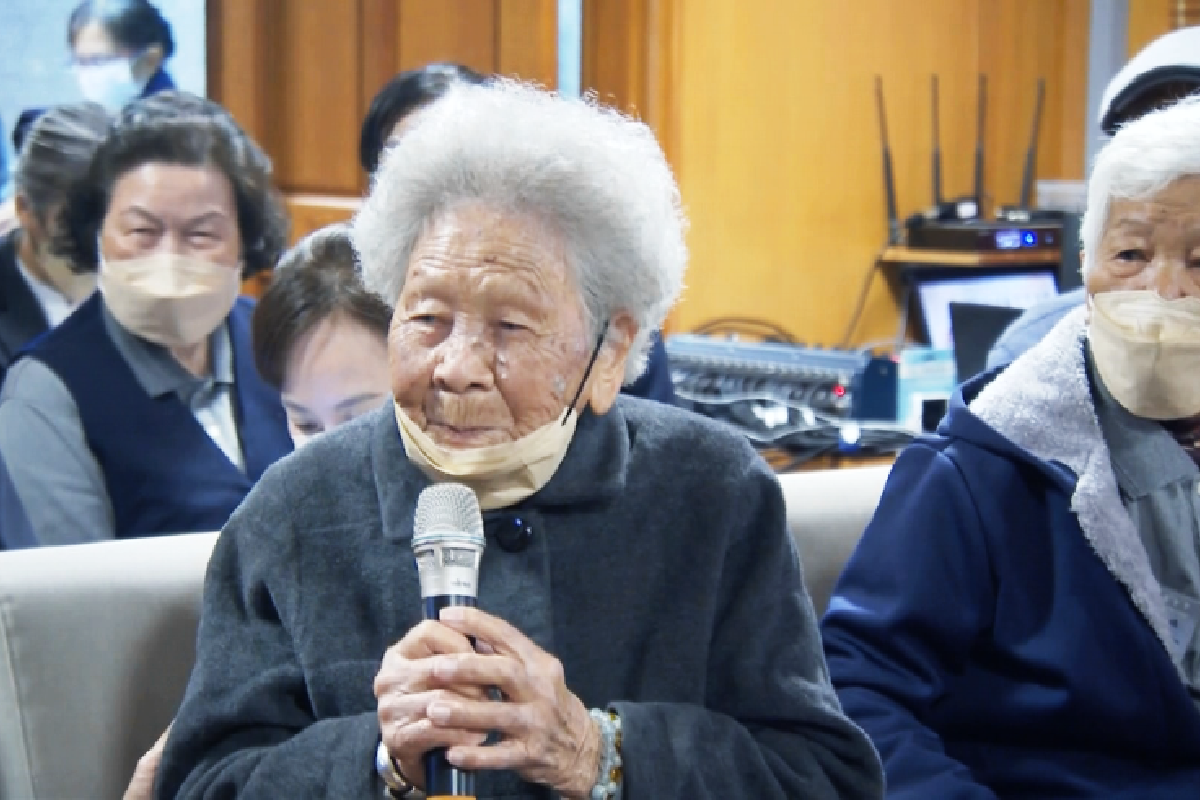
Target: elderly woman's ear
{"points": [[608, 375]]}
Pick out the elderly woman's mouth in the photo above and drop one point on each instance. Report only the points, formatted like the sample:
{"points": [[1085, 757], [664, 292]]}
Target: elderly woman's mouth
{"points": [[465, 435]]}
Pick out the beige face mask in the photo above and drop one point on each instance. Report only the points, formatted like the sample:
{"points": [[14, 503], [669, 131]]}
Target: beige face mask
{"points": [[502, 474], [1147, 351], [172, 300]]}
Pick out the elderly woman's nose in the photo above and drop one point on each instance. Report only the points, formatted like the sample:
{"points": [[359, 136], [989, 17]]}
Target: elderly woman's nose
{"points": [[1170, 279], [464, 361]]}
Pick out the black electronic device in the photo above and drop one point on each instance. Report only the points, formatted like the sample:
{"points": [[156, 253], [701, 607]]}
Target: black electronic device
{"points": [[959, 225], [976, 328], [889, 187], [986, 236], [846, 384]]}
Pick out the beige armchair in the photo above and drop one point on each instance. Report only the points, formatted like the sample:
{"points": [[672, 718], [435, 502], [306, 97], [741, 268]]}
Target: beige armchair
{"points": [[96, 641]]}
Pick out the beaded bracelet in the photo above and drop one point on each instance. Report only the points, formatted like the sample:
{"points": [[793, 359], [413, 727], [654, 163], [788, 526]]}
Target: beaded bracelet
{"points": [[609, 777]]}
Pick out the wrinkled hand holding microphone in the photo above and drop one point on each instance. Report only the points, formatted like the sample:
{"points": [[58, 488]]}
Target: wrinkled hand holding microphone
{"points": [[438, 691]]}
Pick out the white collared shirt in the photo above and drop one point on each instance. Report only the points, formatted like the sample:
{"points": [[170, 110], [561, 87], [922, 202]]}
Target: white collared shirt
{"points": [[55, 306]]}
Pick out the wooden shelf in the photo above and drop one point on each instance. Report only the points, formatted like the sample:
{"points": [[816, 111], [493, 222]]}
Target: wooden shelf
{"points": [[920, 257]]}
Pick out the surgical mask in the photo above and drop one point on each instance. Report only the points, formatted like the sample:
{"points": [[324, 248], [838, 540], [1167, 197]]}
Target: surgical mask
{"points": [[169, 299], [501, 475], [1147, 351], [111, 84]]}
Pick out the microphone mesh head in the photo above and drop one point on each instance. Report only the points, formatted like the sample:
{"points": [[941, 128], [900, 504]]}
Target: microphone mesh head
{"points": [[448, 510]]}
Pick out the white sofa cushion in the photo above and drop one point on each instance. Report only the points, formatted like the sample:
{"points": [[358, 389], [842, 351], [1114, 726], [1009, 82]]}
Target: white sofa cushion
{"points": [[96, 644], [827, 512]]}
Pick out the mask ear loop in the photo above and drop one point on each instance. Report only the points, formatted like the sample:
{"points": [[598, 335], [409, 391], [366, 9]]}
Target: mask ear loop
{"points": [[587, 372]]}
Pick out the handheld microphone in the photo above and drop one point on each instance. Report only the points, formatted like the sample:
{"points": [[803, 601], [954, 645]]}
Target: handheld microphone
{"points": [[448, 544]]}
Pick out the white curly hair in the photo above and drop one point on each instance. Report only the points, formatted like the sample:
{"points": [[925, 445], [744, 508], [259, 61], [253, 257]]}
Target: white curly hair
{"points": [[1142, 158], [592, 175]]}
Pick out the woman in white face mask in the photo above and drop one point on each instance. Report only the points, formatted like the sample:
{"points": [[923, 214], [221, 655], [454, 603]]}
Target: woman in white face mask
{"points": [[642, 626], [118, 48], [39, 287], [143, 414], [1022, 617]]}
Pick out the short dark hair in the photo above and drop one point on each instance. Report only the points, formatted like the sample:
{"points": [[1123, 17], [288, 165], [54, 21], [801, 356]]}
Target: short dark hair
{"points": [[132, 24], [56, 152], [315, 280], [402, 95], [178, 128], [1142, 98]]}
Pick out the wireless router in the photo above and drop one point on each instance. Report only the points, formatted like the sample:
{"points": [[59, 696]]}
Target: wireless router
{"points": [[958, 225]]}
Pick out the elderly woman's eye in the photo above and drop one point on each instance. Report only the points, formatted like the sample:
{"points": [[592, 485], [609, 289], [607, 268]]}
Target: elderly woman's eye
{"points": [[1131, 255], [509, 326]]}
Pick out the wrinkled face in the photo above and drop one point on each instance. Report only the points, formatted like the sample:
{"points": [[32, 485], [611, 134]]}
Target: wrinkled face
{"points": [[168, 208], [489, 339], [1152, 244], [336, 372]]}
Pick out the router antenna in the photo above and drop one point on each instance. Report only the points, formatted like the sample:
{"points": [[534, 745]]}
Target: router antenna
{"points": [[937, 149], [889, 188], [1031, 153], [979, 145]]}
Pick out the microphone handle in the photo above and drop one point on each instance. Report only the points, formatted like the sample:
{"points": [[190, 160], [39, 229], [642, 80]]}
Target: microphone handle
{"points": [[443, 781]]}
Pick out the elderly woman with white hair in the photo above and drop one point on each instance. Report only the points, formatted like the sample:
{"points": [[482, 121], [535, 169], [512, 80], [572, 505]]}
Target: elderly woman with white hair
{"points": [[642, 628], [1020, 617]]}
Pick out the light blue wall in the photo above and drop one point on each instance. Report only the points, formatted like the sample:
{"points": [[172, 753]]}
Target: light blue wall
{"points": [[35, 73]]}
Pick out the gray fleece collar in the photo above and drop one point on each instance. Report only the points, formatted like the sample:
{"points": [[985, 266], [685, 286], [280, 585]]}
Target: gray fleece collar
{"points": [[1043, 403]]}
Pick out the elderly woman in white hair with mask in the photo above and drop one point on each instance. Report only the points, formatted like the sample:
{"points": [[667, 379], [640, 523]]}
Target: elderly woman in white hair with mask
{"points": [[642, 628], [1020, 618]]}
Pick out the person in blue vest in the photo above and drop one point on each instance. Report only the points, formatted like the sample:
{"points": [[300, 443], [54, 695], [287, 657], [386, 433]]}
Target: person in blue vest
{"points": [[1021, 619], [39, 289], [143, 413], [393, 111]]}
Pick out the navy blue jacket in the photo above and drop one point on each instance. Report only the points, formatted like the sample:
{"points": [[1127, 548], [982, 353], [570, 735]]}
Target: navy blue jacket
{"points": [[163, 472], [983, 641]]}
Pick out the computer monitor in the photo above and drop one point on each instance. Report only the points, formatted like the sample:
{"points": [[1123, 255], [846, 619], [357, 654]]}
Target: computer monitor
{"points": [[1013, 288]]}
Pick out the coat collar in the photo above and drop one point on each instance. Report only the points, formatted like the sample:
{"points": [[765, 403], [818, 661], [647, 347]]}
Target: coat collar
{"points": [[593, 471], [1043, 403]]}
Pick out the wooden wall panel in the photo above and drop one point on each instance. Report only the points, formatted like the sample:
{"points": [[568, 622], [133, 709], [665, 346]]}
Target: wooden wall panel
{"points": [[447, 30], [299, 75], [316, 95], [238, 60], [527, 40], [777, 144], [1149, 19]]}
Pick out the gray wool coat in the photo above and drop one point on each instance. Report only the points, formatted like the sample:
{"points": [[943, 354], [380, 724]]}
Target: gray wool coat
{"points": [[661, 574]]}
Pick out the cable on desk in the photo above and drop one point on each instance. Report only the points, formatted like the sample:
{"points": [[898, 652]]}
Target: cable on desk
{"points": [[863, 292]]}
